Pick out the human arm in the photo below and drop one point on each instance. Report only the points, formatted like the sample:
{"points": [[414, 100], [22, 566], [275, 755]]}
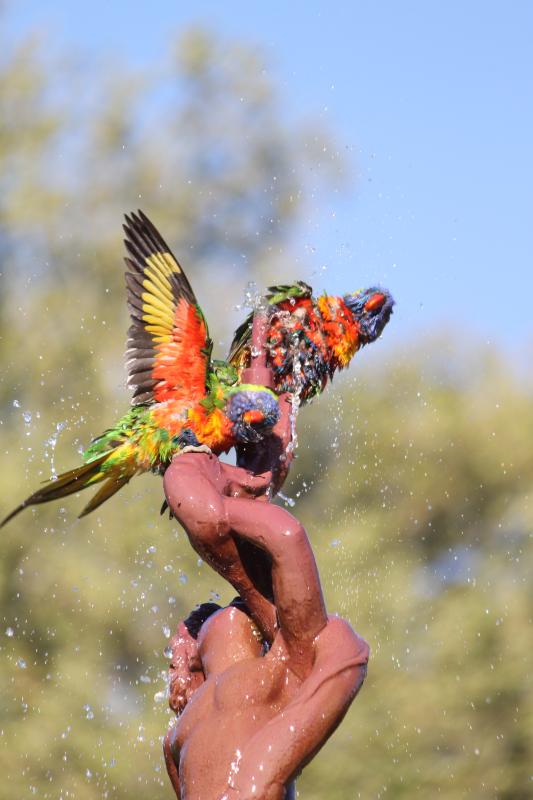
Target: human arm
{"points": [[195, 488], [185, 677], [185, 674], [172, 762], [275, 453], [296, 585], [277, 753]]}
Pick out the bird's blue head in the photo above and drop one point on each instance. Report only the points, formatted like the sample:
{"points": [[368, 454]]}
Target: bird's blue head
{"points": [[254, 411], [372, 308]]}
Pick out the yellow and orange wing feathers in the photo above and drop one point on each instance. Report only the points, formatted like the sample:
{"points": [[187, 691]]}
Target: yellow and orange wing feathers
{"points": [[168, 349]]}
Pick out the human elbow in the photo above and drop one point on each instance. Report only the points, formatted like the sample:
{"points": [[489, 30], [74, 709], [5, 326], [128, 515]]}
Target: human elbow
{"points": [[351, 650]]}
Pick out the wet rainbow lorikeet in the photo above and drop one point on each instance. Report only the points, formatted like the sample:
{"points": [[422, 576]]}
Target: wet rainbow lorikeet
{"points": [[182, 399], [309, 338]]}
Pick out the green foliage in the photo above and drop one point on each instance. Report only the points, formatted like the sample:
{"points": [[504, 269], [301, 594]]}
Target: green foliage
{"points": [[421, 522], [414, 481]]}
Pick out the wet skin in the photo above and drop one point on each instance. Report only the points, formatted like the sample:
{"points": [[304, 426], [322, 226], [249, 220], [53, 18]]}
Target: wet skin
{"points": [[248, 722], [252, 723], [275, 710], [200, 489]]}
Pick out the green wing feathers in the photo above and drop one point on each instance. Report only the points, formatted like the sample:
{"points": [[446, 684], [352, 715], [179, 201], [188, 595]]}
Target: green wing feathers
{"points": [[69, 483]]}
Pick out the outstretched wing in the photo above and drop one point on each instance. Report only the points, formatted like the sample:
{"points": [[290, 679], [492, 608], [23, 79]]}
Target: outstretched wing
{"points": [[276, 294], [168, 350]]}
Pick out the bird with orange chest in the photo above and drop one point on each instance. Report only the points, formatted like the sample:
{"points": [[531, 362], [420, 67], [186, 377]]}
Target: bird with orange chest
{"points": [[309, 339], [182, 398]]}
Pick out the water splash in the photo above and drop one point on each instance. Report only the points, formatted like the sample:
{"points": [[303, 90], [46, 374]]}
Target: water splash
{"points": [[287, 500], [162, 694], [253, 298], [234, 768], [50, 447]]}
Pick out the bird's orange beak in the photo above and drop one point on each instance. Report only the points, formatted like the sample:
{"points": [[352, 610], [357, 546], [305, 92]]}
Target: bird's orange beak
{"points": [[376, 301], [253, 417]]}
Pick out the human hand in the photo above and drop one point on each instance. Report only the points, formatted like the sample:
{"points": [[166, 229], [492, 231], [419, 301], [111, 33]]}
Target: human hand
{"points": [[184, 672], [243, 483]]}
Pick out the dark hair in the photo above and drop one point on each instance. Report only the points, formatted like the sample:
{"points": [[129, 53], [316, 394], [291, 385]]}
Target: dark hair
{"points": [[240, 605], [201, 613], [198, 616]]}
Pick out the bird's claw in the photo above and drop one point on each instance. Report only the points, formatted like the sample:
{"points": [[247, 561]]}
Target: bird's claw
{"points": [[201, 448]]}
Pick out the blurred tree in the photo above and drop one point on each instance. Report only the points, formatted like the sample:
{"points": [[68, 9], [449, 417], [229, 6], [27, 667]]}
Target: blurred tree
{"points": [[202, 148], [415, 481], [422, 526]]}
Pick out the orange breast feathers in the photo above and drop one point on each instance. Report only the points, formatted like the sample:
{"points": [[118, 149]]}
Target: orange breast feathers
{"points": [[304, 315], [212, 428], [340, 329]]}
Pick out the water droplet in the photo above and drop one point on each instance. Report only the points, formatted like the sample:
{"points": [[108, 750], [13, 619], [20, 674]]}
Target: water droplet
{"points": [[89, 713], [10, 632], [167, 652], [287, 500], [26, 415], [21, 663], [166, 631], [16, 403]]}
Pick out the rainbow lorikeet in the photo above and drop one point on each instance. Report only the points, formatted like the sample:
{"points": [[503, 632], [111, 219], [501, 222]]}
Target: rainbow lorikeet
{"points": [[182, 399], [309, 339]]}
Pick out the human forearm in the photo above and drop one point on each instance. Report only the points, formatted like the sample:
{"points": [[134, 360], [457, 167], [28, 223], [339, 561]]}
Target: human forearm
{"points": [[194, 486], [275, 453], [278, 753], [296, 584]]}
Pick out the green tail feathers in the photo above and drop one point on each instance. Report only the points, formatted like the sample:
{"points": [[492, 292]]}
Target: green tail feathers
{"points": [[74, 481]]}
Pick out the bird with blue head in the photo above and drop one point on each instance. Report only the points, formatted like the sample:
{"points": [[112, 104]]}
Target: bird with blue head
{"points": [[310, 338], [182, 398], [371, 309]]}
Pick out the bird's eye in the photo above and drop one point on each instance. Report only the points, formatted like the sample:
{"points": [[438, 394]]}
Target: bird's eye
{"points": [[375, 302]]}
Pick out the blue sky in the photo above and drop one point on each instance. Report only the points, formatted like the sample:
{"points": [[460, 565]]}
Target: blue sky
{"points": [[433, 100]]}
